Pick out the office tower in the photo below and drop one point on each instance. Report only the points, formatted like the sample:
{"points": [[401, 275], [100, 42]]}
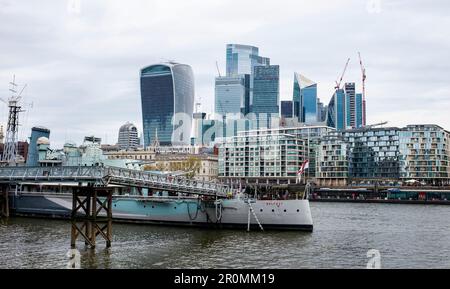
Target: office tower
{"points": [[167, 95], [305, 99], [336, 113], [266, 90], [321, 111], [296, 98], [354, 107], [287, 109], [33, 154], [308, 95], [232, 94], [241, 59], [128, 137], [359, 110], [350, 102]]}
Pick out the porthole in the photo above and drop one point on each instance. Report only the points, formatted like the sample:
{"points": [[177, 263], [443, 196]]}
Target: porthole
{"points": [[261, 210], [153, 207], [298, 210], [285, 210], [273, 210], [175, 208]]}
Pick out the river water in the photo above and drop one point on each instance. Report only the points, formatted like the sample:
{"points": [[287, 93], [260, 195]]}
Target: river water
{"points": [[406, 236]]}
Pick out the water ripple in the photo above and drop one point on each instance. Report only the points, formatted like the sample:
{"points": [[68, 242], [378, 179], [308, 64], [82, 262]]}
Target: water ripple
{"points": [[407, 236]]}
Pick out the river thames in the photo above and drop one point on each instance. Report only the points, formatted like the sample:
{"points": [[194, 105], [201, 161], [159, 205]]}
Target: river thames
{"points": [[406, 236]]}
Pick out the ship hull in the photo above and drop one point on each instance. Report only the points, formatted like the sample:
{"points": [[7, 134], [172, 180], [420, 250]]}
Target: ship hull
{"points": [[233, 213]]}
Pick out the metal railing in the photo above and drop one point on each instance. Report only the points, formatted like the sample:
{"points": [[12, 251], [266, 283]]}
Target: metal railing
{"points": [[114, 176]]}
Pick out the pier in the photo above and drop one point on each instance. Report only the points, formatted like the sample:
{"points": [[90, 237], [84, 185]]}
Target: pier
{"points": [[88, 204], [91, 214]]}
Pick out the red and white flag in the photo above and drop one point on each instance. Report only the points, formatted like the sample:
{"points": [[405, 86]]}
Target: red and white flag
{"points": [[305, 165]]}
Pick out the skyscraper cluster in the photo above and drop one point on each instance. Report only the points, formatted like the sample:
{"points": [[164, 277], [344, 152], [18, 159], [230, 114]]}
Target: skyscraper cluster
{"points": [[246, 97], [345, 109], [251, 83]]}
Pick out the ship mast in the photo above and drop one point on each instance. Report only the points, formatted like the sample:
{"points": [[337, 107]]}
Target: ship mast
{"points": [[9, 156]]}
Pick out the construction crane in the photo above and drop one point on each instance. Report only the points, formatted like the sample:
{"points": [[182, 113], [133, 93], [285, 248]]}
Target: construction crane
{"points": [[198, 105], [224, 119], [338, 83], [218, 71], [363, 75], [376, 124]]}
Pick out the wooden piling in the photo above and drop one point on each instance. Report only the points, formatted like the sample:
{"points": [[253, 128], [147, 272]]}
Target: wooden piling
{"points": [[91, 215], [4, 202]]}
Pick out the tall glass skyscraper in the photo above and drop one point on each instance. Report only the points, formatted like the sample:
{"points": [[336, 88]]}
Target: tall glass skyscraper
{"points": [[350, 96], [308, 95], [241, 59], [336, 111], [167, 96], [305, 99], [296, 98], [232, 94], [266, 90], [359, 110], [354, 106], [340, 110]]}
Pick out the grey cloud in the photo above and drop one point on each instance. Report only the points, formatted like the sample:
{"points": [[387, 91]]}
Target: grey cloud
{"points": [[82, 69]]}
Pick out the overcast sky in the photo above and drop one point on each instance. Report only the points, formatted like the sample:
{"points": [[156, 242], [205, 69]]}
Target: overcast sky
{"points": [[81, 59]]}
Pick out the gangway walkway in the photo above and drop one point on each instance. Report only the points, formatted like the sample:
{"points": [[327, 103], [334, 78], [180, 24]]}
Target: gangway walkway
{"points": [[104, 176], [93, 194]]}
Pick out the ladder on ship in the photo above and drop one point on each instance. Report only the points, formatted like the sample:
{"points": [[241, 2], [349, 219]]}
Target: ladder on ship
{"points": [[251, 210]]}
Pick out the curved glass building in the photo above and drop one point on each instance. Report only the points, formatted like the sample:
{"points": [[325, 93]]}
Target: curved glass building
{"points": [[167, 96]]}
